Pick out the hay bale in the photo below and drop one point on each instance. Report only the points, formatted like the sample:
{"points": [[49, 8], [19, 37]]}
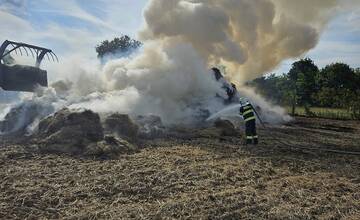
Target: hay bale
{"points": [[227, 127], [67, 140], [150, 126], [110, 147], [69, 132], [122, 126], [20, 117], [87, 121], [210, 132]]}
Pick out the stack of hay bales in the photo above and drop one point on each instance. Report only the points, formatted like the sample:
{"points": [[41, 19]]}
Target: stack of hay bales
{"points": [[78, 133]]}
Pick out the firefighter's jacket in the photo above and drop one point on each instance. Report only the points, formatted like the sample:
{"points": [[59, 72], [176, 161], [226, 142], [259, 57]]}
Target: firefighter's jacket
{"points": [[247, 111]]}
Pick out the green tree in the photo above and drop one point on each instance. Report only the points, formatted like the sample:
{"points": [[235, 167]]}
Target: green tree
{"points": [[271, 86], [302, 83], [336, 86], [119, 46], [338, 82], [355, 99]]}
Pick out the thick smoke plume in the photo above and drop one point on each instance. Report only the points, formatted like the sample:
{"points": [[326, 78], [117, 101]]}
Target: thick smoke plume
{"points": [[171, 81], [250, 38], [183, 39]]}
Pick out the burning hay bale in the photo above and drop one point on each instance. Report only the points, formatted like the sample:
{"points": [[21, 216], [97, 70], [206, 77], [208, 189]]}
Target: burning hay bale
{"points": [[122, 126], [79, 133], [150, 126], [22, 116], [226, 127], [87, 121], [110, 147], [219, 129], [69, 132]]}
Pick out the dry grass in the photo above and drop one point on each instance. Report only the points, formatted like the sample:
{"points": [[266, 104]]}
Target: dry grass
{"points": [[197, 178]]}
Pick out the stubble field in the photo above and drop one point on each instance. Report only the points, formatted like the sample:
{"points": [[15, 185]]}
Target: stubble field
{"points": [[194, 177]]}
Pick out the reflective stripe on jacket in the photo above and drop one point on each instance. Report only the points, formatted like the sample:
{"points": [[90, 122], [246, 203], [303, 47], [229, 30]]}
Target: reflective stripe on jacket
{"points": [[247, 112]]}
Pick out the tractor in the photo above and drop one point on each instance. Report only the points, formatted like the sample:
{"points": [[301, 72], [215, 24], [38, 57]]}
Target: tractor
{"points": [[23, 78]]}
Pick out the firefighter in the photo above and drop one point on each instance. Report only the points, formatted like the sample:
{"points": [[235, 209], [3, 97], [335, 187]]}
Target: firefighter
{"points": [[247, 112]]}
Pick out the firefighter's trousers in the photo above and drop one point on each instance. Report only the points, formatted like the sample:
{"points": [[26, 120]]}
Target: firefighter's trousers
{"points": [[250, 132]]}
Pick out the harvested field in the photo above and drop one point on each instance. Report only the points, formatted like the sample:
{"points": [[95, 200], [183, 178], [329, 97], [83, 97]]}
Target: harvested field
{"points": [[193, 178]]}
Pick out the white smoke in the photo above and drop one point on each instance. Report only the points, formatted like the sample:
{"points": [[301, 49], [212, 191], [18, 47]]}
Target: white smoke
{"points": [[167, 80], [25, 116], [182, 40], [269, 113]]}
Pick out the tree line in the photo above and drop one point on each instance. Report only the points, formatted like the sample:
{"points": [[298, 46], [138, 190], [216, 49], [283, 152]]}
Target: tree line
{"points": [[337, 85]]}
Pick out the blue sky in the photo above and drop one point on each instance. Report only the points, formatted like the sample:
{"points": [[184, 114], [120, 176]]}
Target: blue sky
{"points": [[66, 25], [76, 26]]}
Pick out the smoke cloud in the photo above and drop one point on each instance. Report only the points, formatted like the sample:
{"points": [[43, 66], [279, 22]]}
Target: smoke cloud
{"points": [[170, 80], [250, 38], [183, 39]]}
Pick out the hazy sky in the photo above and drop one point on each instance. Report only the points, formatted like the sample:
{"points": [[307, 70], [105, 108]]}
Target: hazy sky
{"points": [[76, 26]]}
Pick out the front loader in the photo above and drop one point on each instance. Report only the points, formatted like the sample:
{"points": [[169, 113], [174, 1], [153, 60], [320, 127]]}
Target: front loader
{"points": [[23, 78]]}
